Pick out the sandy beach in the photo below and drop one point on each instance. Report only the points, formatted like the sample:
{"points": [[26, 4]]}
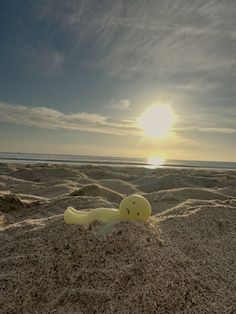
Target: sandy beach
{"points": [[182, 260]]}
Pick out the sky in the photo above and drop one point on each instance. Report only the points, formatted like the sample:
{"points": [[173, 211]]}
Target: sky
{"points": [[76, 77]]}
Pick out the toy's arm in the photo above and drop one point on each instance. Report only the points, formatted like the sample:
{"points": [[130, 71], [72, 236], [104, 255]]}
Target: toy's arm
{"points": [[104, 215], [75, 217]]}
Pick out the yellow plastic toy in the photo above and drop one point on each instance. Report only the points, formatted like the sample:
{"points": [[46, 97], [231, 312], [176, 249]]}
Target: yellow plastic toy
{"points": [[132, 207]]}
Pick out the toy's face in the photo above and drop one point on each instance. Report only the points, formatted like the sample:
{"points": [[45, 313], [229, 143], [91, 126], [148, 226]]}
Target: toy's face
{"points": [[135, 207]]}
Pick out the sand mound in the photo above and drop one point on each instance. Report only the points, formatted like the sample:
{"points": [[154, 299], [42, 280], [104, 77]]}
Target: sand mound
{"points": [[6, 168], [46, 189], [166, 199], [161, 183], [228, 191], [10, 202], [42, 173], [13, 208], [53, 190], [108, 173], [119, 186], [148, 179], [187, 178], [178, 264], [193, 206], [29, 197], [16, 184], [185, 193], [98, 190], [204, 181], [3, 187]]}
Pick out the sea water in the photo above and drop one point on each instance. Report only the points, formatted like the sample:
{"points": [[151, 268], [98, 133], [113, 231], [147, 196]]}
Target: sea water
{"points": [[112, 161]]}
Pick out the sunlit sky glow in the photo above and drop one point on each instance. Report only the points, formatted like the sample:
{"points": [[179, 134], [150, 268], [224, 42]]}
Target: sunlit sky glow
{"points": [[157, 121], [89, 77]]}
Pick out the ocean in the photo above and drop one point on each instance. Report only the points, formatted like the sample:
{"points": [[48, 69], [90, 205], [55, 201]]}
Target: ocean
{"points": [[112, 161]]}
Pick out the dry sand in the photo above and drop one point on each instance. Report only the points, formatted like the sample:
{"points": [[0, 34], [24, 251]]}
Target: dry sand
{"points": [[182, 260]]}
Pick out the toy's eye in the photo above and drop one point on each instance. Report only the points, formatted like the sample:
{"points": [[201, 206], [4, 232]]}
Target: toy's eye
{"points": [[133, 203], [128, 210], [137, 214]]}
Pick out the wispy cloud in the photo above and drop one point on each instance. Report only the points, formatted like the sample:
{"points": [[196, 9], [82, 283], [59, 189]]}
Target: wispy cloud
{"points": [[206, 130], [40, 59], [208, 120], [219, 130], [122, 104], [192, 41], [44, 60], [129, 37], [57, 60], [42, 117]]}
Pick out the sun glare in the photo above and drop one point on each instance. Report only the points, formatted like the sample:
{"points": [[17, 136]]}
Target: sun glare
{"points": [[155, 161], [157, 121]]}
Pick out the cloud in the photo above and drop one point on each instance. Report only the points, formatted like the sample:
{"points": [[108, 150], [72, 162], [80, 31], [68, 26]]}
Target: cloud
{"points": [[187, 46], [56, 60], [42, 60], [36, 59], [43, 117], [48, 118], [218, 130], [205, 129], [155, 37], [122, 104]]}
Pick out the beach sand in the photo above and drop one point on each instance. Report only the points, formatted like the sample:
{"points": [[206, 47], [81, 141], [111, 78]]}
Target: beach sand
{"points": [[182, 260]]}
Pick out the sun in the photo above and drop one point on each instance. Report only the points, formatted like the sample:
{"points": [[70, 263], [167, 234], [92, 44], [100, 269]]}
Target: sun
{"points": [[157, 121]]}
